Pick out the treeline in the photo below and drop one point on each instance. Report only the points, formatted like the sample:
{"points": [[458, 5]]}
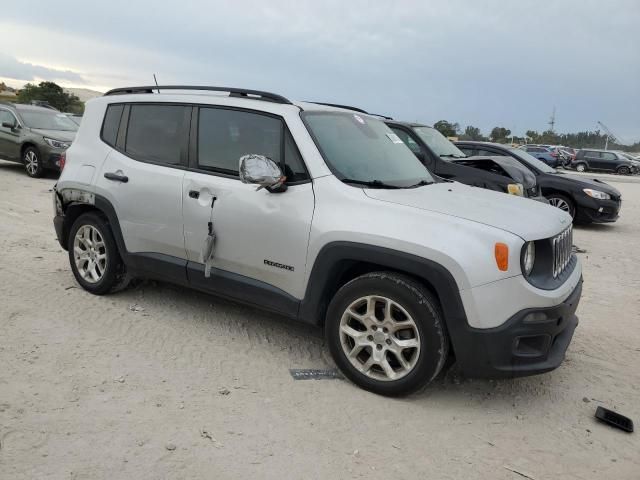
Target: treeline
{"points": [[48, 92], [586, 139]]}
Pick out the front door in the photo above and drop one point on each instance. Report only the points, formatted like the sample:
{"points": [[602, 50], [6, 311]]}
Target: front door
{"points": [[261, 238], [9, 138]]}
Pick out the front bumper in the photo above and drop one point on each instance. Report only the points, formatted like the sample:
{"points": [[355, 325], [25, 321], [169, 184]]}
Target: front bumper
{"points": [[599, 211], [532, 341]]}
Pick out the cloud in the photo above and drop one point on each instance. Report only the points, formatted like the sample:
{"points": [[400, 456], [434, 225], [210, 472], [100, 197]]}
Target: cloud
{"points": [[495, 62], [11, 67]]}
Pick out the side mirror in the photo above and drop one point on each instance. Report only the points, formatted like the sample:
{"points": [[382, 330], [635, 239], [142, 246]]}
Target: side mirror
{"points": [[262, 171], [10, 125]]}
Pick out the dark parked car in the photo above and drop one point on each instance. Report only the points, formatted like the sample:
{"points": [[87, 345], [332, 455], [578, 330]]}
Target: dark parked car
{"points": [[587, 200], [604, 160], [548, 155], [445, 160], [35, 136]]}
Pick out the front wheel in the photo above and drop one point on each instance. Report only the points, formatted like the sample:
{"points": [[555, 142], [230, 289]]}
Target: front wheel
{"points": [[32, 162], [563, 203], [386, 333]]}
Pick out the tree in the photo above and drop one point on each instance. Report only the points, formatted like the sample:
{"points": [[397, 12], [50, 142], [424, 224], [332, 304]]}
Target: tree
{"points": [[532, 136], [53, 94], [500, 134], [473, 133], [447, 129]]}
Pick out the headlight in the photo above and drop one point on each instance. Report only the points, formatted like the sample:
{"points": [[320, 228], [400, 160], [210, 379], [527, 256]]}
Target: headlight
{"points": [[515, 189], [529, 258], [56, 143], [597, 194]]}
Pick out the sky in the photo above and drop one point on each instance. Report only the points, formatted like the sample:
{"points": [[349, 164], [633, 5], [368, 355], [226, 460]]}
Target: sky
{"points": [[484, 63]]}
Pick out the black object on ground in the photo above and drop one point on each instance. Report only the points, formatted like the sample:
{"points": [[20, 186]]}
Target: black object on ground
{"points": [[614, 419], [315, 374]]}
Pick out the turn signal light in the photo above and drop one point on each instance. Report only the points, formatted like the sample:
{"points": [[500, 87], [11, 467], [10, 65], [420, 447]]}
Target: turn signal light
{"points": [[501, 253], [515, 189]]}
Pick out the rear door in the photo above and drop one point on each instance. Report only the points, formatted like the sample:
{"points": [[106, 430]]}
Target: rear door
{"points": [[9, 139], [261, 238], [142, 178]]}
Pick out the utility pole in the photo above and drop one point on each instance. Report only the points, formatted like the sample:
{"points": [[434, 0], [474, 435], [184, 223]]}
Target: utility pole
{"points": [[552, 120], [608, 135]]}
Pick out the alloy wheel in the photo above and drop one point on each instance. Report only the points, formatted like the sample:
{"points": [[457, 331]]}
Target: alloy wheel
{"points": [[560, 203], [379, 338], [31, 162], [90, 253]]}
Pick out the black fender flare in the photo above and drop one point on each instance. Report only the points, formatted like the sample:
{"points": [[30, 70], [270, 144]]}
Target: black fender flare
{"points": [[335, 258]]}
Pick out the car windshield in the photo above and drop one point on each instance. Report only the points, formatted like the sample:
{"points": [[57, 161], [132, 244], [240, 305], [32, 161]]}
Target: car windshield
{"points": [[437, 142], [363, 151], [531, 160], [48, 120]]}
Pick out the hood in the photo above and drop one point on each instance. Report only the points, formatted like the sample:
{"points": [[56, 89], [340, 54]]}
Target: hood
{"points": [[525, 218], [62, 135], [594, 183], [513, 168]]}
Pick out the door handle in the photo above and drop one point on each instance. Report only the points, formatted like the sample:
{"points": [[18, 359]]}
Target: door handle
{"points": [[116, 177], [194, 194]]}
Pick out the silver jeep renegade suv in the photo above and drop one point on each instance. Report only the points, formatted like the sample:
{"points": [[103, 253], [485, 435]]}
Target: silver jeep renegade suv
{"points": [[322, 215]]}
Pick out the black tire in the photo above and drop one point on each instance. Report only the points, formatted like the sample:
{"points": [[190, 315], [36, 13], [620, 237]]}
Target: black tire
{"points": [[32, 162], [623, 170], [113, 276], [425, 311], [581, 167], [556, 200]]}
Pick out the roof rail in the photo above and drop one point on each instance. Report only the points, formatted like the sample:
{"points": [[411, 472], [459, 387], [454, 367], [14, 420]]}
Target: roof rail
{"points": [[346, 107], [355, 109], [233, 92]]}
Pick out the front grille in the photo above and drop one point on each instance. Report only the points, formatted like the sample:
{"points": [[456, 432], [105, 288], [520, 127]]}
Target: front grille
{"points": [[562, 250]]}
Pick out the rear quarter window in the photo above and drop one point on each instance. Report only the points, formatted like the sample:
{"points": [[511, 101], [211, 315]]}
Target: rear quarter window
{"points": [[111, 124]]}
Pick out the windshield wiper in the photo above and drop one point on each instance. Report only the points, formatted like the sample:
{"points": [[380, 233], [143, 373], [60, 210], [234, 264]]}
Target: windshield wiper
{"points": [[420, 184], [369, 183], [452, 155]]}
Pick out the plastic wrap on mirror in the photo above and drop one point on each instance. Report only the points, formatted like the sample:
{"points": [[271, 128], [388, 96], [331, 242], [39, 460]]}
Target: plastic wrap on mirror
{"points": [[261, 171]]}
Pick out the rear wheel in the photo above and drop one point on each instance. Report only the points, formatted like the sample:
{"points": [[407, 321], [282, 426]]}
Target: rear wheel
{"points": [[386, 333], [623, 170], [32, 162], [581, 167], [563, 203], [93, 255]]}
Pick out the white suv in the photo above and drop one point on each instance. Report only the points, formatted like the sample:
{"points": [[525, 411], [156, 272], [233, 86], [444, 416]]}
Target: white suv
{"points": [[322, 215]]}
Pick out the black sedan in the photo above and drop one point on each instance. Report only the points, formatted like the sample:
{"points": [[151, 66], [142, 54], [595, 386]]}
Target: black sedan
{"points": [[585, 199], [443, 159]]}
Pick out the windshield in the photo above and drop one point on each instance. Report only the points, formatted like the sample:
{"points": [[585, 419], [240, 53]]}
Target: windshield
{"points": [[531, 160], [362, 149], [46, 120], [438, 143]]}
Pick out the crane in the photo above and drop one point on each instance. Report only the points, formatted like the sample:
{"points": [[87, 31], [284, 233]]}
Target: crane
{"points": [[609, 135]]}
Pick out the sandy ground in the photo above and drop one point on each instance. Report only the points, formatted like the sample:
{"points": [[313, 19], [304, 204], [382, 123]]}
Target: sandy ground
{"points": [[129, 385]]}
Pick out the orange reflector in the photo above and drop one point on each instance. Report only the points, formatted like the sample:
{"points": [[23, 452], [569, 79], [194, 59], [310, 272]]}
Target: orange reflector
{"points": [[502, 256]]}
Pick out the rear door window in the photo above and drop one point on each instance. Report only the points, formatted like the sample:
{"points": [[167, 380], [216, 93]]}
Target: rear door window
{"points": [[157, 133], [608, 156]]}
